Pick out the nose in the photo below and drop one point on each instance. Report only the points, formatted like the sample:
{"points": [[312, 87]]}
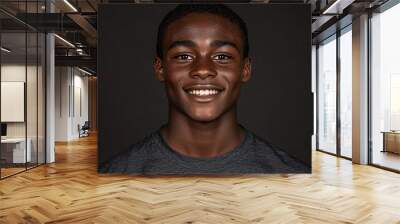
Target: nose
{"points": [[203, 68]]}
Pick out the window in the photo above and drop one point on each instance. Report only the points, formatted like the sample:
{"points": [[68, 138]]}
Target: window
{"points": [[385, 88], [346, 92], [327, 95]]}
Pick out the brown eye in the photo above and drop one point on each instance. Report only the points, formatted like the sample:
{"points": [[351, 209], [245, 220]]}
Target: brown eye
{"points": [[222, 58], [184, 57]]}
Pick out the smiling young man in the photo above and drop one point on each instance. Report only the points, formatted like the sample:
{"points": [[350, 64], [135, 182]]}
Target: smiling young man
{"points": [[203, 60]]}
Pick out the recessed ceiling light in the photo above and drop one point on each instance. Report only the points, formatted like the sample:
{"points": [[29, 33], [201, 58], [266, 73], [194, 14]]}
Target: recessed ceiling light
{"points": [[84, 71], [70, 5], [5, 50], [337, 7], [64, 40]]}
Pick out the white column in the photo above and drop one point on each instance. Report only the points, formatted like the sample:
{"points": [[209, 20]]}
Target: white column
{"points": [[360, 90], [50, 93]]}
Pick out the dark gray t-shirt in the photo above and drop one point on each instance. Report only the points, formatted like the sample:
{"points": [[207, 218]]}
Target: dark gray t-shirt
{"points": [[153, 156]]}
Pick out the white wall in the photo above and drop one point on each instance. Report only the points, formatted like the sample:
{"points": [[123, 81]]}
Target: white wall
{"points": [[71, 102], [16, 73], [62, 81], [33, 126], [81, 104]]}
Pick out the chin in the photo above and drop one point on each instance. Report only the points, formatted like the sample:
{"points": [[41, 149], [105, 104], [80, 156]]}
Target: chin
{"points": [[204, 116]]}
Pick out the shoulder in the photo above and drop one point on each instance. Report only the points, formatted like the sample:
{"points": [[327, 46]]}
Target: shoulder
{"points": [[133, 159], [275, 159]]}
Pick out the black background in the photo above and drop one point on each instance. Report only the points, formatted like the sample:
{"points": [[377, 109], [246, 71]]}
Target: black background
{"points": [[276, 103]]}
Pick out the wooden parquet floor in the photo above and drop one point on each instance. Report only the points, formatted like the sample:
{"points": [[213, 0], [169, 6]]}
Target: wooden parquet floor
{"points": [[71, 191]]}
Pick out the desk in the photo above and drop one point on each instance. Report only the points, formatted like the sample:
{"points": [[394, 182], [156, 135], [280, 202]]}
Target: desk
{"points": [[15, 148], [391, 141]]}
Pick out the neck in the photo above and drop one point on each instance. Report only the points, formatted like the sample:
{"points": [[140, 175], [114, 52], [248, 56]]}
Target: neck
{"points": [[202, 139]]}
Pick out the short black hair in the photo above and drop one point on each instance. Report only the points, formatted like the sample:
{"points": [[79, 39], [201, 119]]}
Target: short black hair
{"points": [[216, 9]]}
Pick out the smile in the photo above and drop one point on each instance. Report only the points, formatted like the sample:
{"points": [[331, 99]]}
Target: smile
{"points": [[204, 92]]}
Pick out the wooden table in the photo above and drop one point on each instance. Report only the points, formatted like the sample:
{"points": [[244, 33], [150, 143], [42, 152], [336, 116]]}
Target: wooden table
{"points": [[391, 141]]}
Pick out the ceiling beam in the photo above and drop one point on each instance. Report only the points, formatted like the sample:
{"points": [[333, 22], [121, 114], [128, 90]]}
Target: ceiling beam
{"points": [[84, 24], [83, 61]]}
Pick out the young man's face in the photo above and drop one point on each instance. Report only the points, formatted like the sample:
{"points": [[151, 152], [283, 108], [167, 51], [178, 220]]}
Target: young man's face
{"points": [[203, 66]]}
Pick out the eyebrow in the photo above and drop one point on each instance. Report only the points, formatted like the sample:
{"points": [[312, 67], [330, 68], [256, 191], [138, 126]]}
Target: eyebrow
{"points": [[189, 43], [186, 43], [220, 43]]}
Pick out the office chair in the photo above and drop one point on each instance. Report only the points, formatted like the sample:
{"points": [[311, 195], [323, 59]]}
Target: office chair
{"points": [[84, 130]]}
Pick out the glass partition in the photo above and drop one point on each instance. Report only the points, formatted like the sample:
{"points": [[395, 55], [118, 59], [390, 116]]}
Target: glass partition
{"points": [[22, 88], [14, 153], [41, 91], [385, 88], [31, 100], [327, 95], [346, 93]]}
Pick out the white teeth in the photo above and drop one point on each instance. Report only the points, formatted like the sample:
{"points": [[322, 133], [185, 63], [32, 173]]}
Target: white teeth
{"points": [[204, 92]]}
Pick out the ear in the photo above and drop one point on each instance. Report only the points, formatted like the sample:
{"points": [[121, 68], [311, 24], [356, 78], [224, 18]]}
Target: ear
{"points": [[246, 70], [158, 69]]}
